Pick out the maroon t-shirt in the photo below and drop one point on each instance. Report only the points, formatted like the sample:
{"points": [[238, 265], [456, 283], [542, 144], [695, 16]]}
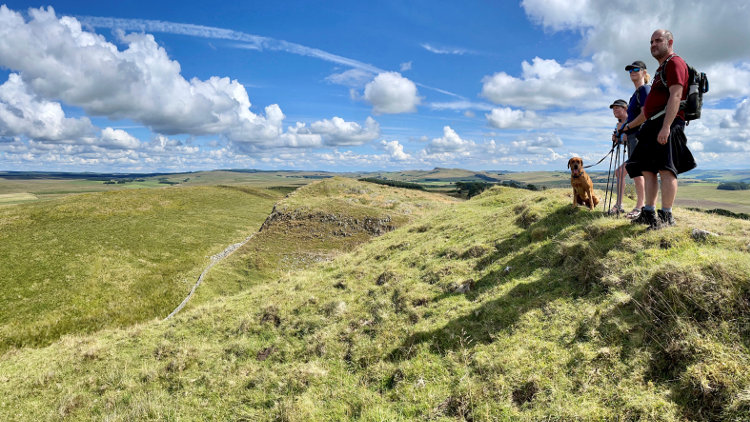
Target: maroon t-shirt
{"points": [[676, 73]]}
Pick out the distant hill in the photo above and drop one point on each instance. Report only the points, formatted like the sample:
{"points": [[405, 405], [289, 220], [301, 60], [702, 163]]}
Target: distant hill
{"points": [[511, 306]]}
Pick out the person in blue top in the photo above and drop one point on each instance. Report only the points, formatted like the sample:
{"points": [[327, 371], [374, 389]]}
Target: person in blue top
{"points": [[640, 78]]}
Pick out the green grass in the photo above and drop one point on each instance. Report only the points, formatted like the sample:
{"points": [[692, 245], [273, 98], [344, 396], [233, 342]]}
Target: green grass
{"points": [[316, 224], [571, 316], [705, 195], [16, 198], [85, 262]]}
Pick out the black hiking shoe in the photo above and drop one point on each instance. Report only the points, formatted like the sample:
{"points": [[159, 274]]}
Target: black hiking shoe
{"points": [[651, 220], [641, 219], [666, 219]]}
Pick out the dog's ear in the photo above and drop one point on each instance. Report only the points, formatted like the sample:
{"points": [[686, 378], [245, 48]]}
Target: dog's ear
{"points": [[581, 162], [569, 162]]}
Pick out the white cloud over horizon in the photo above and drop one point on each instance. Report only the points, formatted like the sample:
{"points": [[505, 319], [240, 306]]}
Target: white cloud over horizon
{"points": [[130, 103], [339, 132], [507, 118], [547, 83], [63, 62], [449, 142], [391, 93], [395, 150]]}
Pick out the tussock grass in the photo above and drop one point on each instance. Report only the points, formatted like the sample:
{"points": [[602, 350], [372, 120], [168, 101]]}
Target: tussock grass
{"points": [[571, 316], [85, 262]]}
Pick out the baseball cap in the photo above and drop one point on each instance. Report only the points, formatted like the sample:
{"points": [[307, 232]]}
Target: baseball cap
{"points": [[636, 63], [619, 103]]}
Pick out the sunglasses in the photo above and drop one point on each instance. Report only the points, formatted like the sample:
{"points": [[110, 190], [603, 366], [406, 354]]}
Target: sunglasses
{"points": [[635, 69]]}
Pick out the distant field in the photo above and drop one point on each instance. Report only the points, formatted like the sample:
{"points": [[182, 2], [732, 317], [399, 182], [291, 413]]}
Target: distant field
{"points": [[54, 187], [16, 198], [85, 262], [705, 195]]}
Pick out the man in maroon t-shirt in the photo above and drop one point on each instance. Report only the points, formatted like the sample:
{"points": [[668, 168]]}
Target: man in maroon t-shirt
{"points": [[662, 146]]}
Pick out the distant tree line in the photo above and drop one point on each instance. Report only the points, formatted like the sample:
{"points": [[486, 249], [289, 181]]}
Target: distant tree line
{"points": [[733, 186], [394, 183], [121, 181], [472, 189], [166, 181], [485, 177], [725, 213]]}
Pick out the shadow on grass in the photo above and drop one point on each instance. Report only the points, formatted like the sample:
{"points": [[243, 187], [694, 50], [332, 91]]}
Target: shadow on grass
{"points": [[568, 266]]}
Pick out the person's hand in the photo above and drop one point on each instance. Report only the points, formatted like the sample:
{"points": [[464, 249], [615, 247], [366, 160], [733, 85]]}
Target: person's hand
{"points": [[624, 138], [663, 136], [613, 138]]}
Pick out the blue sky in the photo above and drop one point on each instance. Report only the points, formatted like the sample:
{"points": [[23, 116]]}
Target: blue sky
{"points": [[137, 86]]}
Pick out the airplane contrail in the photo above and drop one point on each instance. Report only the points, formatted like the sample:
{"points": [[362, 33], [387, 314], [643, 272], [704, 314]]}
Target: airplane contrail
{"points": [[256, 41]]}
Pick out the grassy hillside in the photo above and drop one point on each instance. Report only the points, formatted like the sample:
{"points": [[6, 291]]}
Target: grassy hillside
{"points": [[315, 224], [84, 262], [510, 306]]}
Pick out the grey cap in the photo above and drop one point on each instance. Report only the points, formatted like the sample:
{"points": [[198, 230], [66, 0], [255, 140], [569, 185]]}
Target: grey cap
{"points": [[636, 63], [619, 103]]}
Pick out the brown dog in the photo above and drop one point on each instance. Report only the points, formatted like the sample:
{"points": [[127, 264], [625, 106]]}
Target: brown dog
{"points": [[583, 187]]}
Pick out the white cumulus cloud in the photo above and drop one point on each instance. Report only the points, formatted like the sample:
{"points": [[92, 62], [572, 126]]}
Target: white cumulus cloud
{"points": [[395, 150], [58, 60], [118, 138], [543, 84], [740, 118], [339, 132], [23, 113], [507, 118], [391, 93], [617, 33], [450, 142], [537, 143]]}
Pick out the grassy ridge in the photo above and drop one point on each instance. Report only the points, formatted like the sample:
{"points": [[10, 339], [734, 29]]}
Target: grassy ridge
{"points": [[81, 263], [316, 224], [510, 306]]}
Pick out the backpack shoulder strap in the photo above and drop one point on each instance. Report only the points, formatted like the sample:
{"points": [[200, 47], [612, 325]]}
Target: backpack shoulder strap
{"points": [[663, 70]]}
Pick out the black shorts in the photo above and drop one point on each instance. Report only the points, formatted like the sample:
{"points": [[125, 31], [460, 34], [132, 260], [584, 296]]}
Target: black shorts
{"points": [[631, 144], [649, 155]]}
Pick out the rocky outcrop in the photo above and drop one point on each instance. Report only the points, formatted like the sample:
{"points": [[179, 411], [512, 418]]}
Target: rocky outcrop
{"points": [[340, 225]]}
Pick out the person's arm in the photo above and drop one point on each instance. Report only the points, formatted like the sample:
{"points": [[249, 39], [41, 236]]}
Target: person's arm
{"points": [[637, 121], [673, 107], [634, 124]]}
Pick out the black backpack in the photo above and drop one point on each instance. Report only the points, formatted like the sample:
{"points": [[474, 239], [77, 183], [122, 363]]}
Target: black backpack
{"points": [[697, 86]]}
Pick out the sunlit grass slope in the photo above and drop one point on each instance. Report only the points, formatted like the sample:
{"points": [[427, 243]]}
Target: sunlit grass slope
{"points": [[84, 262], [510, 306], [317, 223]]}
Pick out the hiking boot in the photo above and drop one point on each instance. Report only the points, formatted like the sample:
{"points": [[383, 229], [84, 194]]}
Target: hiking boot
{"points": [[666, 219], [651, 220], [641, 219]]}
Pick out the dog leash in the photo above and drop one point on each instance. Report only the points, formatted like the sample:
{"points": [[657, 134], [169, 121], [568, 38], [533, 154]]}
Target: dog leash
{"points": [[603, 158]]}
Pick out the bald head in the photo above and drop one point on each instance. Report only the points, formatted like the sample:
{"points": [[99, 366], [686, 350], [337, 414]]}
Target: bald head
{"points": [[661, 44], [666, 33]]}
